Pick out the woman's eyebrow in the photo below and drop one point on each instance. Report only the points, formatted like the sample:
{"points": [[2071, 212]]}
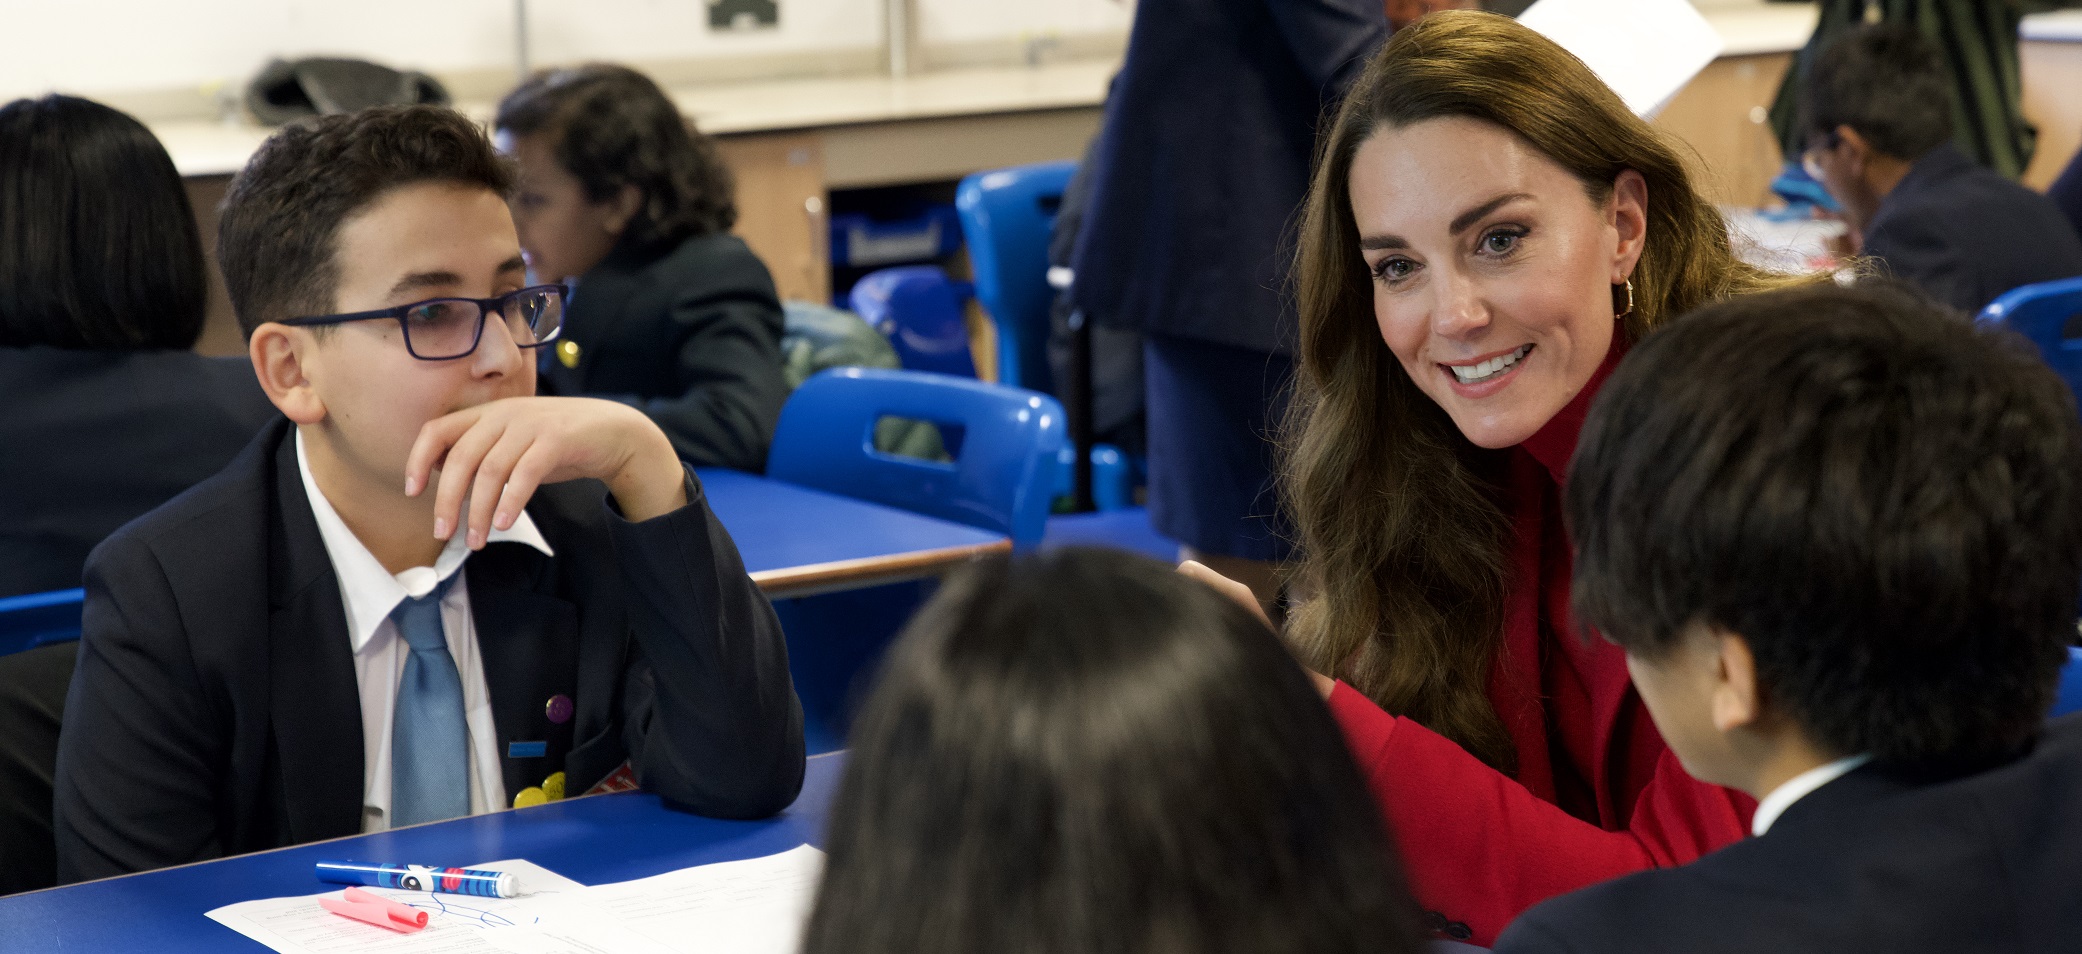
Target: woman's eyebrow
{"points": [[1460, 223], [1465, 220]]}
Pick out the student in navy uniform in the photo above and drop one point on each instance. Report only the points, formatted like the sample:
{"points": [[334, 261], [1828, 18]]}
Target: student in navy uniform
{"points": [[1838, 533], [429, 592], [1138, 769], [624, 199], [1880, 140], [102, 294], [1199, 170], [2066, 192]]}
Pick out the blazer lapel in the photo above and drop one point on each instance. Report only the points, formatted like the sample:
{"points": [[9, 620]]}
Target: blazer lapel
{"points": [[314, 695], [527, 642]]}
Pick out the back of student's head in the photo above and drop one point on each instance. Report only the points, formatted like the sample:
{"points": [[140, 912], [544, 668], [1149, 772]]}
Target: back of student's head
{"points": [[281, 219], [1887, 82], [98, 248], [611, 127], [1083, 752], [1882, 500]]}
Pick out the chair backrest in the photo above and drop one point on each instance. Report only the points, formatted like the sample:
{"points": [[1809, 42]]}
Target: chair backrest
{"points": [[39, 619], [1002, 475], [2069, 697], [919, 309], [2050, 315], [1007, 216]]}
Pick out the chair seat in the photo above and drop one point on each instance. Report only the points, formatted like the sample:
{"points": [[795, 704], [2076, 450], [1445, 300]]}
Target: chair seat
{"points": [[2068, 698]]}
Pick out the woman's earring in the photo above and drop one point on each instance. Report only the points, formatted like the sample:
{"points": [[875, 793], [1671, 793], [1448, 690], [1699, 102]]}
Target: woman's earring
{"points": [[1630, 302]]}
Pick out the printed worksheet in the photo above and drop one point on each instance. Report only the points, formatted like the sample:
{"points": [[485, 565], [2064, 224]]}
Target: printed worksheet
{"points": [[756, 906], [1646, 50]]}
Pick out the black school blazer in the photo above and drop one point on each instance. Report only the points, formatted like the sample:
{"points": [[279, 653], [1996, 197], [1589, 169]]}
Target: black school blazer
{"points": [[215, 710], [91, 440], [1873, 862], [689, 333]]}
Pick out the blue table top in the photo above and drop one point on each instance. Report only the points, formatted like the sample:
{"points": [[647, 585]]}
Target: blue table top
{"points": [[596, 840], [796, 540]]}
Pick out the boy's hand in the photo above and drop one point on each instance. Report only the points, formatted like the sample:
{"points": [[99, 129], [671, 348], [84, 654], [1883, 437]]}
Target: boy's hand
{"points": [[497, 454]]}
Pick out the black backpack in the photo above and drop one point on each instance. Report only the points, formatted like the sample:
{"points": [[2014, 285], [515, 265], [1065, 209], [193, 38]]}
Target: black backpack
{"points": [[289, 90]]}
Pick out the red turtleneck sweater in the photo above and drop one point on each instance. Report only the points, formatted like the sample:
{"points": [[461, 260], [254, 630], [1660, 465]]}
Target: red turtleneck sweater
{"points": [[1597, 793]]}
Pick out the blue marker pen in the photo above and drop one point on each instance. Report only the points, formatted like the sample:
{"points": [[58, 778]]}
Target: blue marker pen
{"points": [[484, 884]]}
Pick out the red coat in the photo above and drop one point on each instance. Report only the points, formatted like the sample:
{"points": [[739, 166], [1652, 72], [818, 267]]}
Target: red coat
{"points": [[1597, 793]]}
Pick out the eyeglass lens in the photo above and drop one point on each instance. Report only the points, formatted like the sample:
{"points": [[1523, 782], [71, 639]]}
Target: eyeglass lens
{"points": [[450, 327]]}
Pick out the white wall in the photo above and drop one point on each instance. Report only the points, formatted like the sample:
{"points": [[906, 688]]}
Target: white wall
{"points": [[960, 21], [103, 46], [122, 46]]}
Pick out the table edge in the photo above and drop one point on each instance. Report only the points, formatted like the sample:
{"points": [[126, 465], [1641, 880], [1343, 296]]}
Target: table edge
{"points": [[812, 578]]}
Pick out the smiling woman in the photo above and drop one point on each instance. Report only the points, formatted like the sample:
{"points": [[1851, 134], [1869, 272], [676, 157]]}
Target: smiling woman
{"points": [[1508, 227]]}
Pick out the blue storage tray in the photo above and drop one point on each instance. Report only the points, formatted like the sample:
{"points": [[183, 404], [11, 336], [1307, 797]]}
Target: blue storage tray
{"points": [[861, 241]]}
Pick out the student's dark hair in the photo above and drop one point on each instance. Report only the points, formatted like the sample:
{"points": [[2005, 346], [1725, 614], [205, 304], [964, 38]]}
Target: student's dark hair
{"points": [[1083, 752], [1884, 501], [1888, 82], [278, 233], [613, 127], [98, 249]]}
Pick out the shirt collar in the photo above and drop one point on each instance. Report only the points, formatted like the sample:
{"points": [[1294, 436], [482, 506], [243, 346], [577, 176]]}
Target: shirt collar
{"points": [[1798, 787], [369, 591]]}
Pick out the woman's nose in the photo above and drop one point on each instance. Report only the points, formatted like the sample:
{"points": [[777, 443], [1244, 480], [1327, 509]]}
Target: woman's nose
{"points": [[1460, 310]]}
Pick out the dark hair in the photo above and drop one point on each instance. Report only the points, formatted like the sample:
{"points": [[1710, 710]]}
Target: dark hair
{"points": [[1881, 499], [1082, 751], [1887, 82], [98, 248], [279, 230], [613, 127]]}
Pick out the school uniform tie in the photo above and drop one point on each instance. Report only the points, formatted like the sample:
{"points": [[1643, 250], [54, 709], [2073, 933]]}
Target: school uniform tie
{"points": [[429, 742]]}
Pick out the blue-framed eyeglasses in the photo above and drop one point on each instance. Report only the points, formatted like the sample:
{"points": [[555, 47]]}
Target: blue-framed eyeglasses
{"points": [[443, 329]]}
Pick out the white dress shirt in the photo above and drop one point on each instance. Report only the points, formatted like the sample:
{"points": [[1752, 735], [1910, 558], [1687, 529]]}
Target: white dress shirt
{"points": [[369, 594], [1798, 787]]}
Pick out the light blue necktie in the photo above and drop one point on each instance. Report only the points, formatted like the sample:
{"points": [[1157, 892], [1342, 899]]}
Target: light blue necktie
{"points": [[429, 742]]}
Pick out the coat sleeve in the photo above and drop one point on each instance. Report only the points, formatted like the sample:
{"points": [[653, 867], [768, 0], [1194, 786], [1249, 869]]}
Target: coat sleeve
{"points": [[728, 388], [1481, 849], [1331, 39], [711, 719], [140, 755]]}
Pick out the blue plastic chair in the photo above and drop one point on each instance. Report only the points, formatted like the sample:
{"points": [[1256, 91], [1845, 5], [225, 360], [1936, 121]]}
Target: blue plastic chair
{"points": [[2042, 313], [1002, 475], [39, 619], [919, 309], [1007, 216], [2069, 697]]}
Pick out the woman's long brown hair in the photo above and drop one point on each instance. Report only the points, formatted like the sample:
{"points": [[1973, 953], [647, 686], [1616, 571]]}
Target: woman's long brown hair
{"points": [[1402, 533]]}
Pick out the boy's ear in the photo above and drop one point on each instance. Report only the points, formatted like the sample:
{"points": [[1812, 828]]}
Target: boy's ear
{"points": [[1856, 149], [279, 354], [622, 208], [1737, 701]]}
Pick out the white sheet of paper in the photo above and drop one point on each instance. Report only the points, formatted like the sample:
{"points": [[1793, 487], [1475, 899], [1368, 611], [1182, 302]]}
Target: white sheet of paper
{"points": [[755, 906], [1646, 50]]}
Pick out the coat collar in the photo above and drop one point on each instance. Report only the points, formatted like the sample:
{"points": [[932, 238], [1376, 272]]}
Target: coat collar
{"points": [[315, 702], [1555, 442]]}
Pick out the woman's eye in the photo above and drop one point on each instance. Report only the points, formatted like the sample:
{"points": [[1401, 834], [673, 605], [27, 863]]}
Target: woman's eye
{"points": [[1394, 269], [1501, 242]]}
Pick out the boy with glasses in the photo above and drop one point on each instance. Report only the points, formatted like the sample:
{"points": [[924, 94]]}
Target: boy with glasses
{"points": [[426, 592], [1878, 109]]}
